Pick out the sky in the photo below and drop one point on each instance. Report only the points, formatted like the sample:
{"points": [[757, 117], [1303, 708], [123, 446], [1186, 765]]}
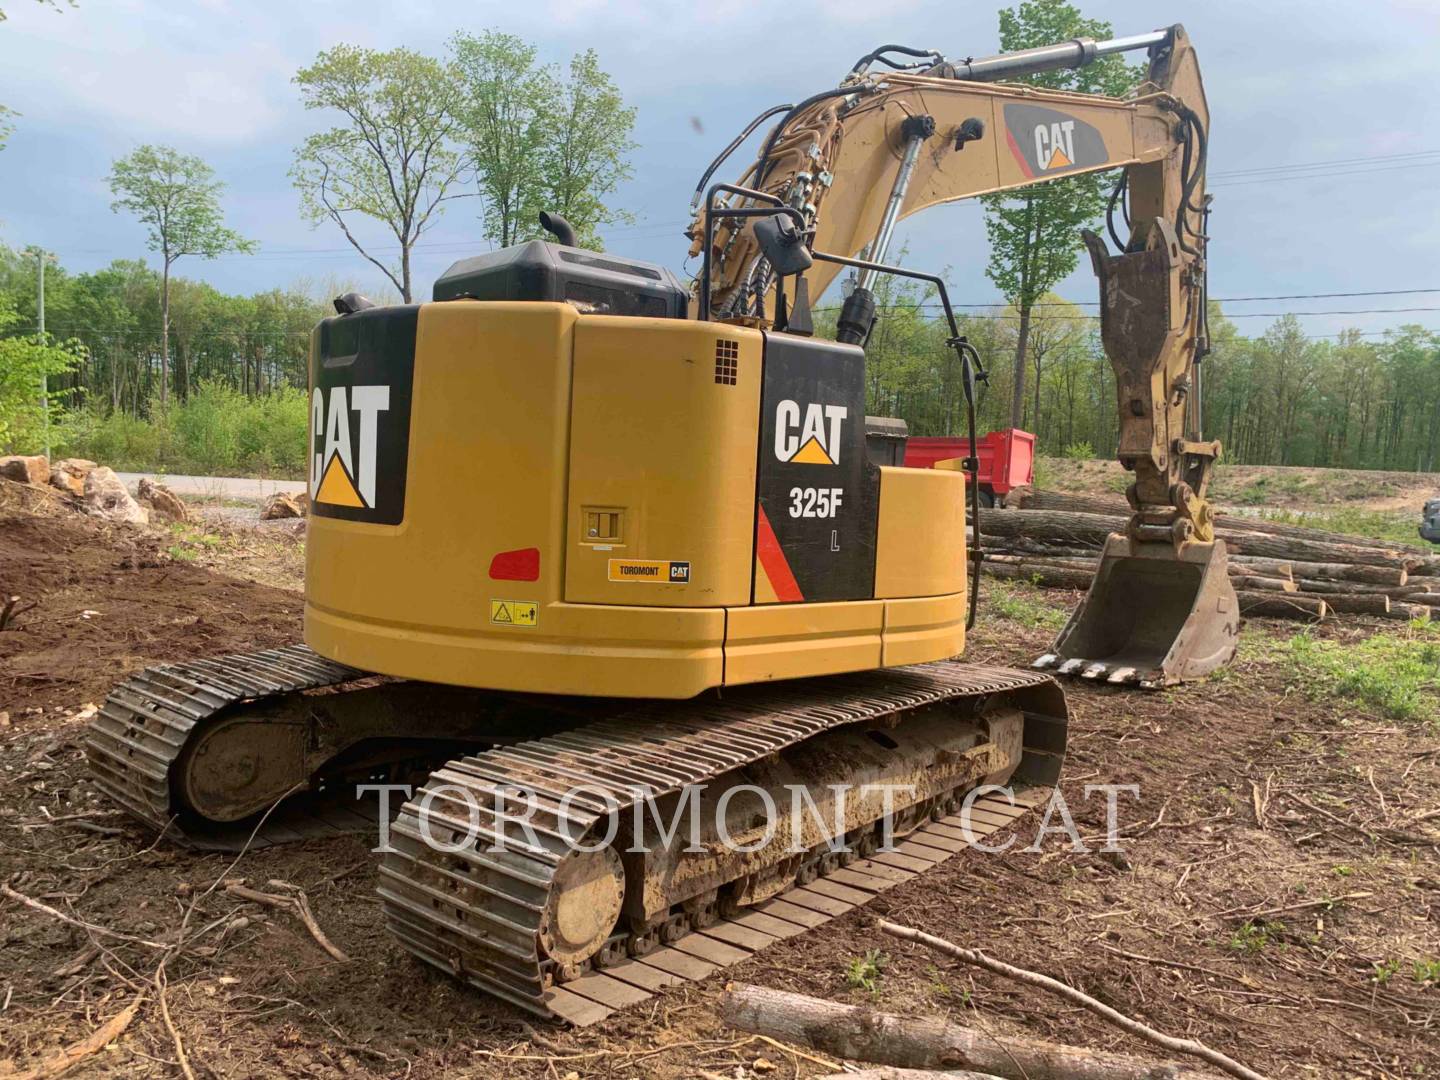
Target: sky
{"points": [[1322, 161]]}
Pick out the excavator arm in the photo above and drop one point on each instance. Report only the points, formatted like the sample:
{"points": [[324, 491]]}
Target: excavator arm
{"points": [[856, 160]]}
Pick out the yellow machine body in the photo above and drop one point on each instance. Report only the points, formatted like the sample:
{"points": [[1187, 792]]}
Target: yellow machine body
{"points": [[583, 508]]}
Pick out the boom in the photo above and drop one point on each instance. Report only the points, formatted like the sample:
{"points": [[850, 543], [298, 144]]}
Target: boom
{"points": [[856, 160]]}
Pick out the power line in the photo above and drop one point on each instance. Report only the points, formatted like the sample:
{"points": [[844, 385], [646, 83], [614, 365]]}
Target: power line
{"points": [[929, 305], [1324, 175], [1323, 164], [1216, 299]]}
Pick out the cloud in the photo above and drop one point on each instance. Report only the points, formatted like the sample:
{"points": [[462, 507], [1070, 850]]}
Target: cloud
{"points": [[148, 73]]}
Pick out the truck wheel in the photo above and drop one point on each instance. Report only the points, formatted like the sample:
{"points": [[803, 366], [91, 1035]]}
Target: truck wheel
{"points": [[987, 499]]}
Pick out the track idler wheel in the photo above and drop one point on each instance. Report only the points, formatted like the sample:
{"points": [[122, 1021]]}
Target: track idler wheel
{"points": [[583, 906]]}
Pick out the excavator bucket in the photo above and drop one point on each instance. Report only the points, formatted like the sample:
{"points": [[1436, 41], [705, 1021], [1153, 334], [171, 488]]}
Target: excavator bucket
{"points": [[1154, 616]]}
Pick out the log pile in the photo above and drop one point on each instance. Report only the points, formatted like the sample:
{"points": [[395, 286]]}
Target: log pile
{"points": [[1279, 571]]}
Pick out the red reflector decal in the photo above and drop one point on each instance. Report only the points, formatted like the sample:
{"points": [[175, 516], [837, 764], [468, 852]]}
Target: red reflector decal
{"points": [[522, 564]]}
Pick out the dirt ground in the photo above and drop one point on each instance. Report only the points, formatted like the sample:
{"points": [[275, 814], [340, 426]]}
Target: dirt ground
{"points": [[1278, 894]]}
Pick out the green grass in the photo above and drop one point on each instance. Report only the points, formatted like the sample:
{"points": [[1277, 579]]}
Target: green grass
{"points": [[1020, 603], [1396, 673]]}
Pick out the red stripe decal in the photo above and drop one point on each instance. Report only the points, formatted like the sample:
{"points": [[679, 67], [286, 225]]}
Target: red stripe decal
{"points": [[1015, 149], [773, 561]]}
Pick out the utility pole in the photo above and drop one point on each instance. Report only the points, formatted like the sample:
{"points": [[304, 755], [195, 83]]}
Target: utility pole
{"points": [[40, 331]]}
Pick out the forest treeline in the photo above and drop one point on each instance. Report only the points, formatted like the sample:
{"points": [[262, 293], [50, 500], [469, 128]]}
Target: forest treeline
{"points": [[1278, 398]]}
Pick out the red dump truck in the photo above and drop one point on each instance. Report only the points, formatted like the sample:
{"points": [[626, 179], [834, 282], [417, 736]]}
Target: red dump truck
{"points": [[1007, 458]]}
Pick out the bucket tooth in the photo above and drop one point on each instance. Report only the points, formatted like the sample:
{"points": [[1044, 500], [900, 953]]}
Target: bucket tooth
{"points": [[1047, 661], [1156, 614]]}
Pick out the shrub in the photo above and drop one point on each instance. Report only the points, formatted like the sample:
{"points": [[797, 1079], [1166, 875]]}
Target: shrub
{"points": [[216, 431]]}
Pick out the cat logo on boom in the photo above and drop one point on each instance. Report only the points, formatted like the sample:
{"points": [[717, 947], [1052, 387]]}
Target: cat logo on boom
{"points": [[343, 469], [809, 434], [1044, 140], [1055, 144]]}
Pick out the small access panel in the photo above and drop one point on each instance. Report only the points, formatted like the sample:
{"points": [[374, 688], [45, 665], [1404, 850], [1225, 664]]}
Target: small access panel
{"points": [[818, 493]]}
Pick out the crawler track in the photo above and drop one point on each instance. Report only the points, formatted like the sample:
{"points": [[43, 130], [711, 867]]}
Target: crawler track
{"points": [[140, 732], [486, 916], [482, 912], [700, 953]]}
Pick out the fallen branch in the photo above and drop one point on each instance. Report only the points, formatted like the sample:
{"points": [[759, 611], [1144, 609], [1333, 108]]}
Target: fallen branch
{"points": [[10, 609], [1324, 901], [77, 1052], [919, 1042], [973, 956], [298, 904], [54, 913]]}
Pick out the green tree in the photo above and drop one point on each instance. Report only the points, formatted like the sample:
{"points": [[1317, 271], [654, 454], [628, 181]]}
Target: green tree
{"points": [[177, 198], [506, 96], [392, 160], [538, 141], [1035, 234], [586, 149], [26, 363]]}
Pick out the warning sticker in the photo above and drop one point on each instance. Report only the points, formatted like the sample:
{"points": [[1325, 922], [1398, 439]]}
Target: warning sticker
{"points": [[514, 612], [654, 571]]}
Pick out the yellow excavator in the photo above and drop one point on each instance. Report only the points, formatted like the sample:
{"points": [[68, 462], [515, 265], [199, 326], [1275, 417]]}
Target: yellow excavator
{"points": [[586, 536]]}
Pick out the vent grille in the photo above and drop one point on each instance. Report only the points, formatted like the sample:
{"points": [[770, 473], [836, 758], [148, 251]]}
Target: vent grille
{"points": [[727, 362]]}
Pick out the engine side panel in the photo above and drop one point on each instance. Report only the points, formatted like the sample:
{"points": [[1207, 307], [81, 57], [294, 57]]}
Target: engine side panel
{"points": [[662, 463], [818, 493]]}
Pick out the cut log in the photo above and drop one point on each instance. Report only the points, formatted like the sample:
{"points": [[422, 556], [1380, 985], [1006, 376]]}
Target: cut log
{"points": [[1073, 995], [919, 1042], [1048, 577], [1256, 564], [1360, 588], [1262, 584], [1426, 600], [1026, 545], [1372, 575], [1359, 603], [1283, 606], [1027, 499], [1069, 528], [1305, 532], [1410, 612], [1238, 577]]}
